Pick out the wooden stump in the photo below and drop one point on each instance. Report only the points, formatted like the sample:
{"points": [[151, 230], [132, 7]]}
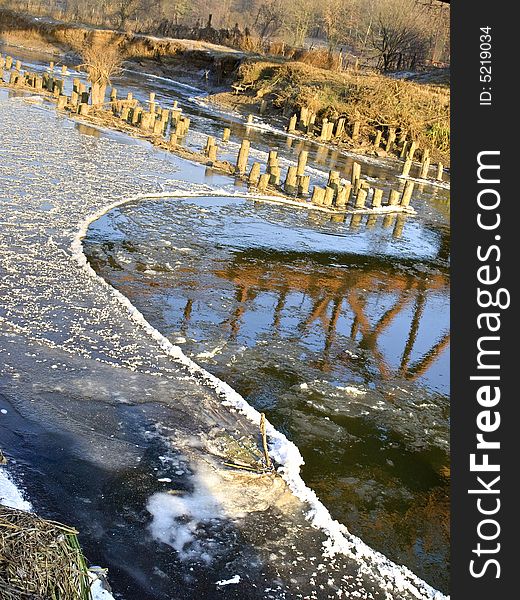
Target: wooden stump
{"points": [[407, 193], [377, 198], [242, 157]]}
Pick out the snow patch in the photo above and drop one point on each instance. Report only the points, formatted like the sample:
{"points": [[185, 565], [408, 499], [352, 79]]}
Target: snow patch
{"points": [[10, 494], [178, 517], [233, 580]]}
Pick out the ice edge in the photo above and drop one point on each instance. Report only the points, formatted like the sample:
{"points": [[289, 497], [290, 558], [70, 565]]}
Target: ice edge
{"points": [[282, 450]]}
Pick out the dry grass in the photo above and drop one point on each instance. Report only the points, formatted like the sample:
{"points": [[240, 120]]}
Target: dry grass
{"points": [[39, 559], [423, 110]]}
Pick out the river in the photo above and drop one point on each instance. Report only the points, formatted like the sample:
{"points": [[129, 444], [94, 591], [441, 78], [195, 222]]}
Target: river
{"points": [[337, 329]]}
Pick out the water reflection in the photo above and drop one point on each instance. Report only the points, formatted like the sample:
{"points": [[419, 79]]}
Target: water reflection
{"points": [[359, 303]]}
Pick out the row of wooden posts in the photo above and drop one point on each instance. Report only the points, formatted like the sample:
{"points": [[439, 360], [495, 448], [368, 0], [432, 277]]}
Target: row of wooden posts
{"points": [[406, 149], [156, 120], [370, 220], [425, 164]]}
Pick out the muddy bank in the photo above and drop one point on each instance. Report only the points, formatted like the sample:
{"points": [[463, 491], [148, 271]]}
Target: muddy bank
{"points": [[160, 55]]}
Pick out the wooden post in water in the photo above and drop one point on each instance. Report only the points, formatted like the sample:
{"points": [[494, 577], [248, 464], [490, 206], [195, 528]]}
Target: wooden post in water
{"points": [[406, 167], [18, 65], [175, 116], [404, 148], [51, 66], [292, 124], [263, 182], [225, 134], [84, 109], [291, 180], [62, 102], [8, 62], [212, 153], [304, 182], [361, 198], [377, 198], [263, 106], [324, 129], [391, 139], [425, 167], [318, 195], [158, 126], [249, 119], [137, 114], [74, 98], [411, 150], [254, 174], [394, 198], [356, 173], [209, 143], [343, 196], [275, 173], [173, 139], [242, 157], [333, 178], [272, 159], [439, 172], [340, 127], [328, 198], [302, 162], [304, 116], [146, 120], [125, 113], [407, 193]]}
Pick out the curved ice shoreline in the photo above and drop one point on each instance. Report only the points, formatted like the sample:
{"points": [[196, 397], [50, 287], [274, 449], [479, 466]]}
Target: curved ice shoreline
{"points": [[283, 451], [53, 234]]}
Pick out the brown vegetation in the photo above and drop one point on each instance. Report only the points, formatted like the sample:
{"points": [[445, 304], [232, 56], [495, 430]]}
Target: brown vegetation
{"points": [[40, 559], [375, 100], [102, 61]]}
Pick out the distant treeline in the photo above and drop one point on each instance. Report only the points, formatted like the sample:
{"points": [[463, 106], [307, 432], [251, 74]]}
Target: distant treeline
{"points": [[388, 34]]}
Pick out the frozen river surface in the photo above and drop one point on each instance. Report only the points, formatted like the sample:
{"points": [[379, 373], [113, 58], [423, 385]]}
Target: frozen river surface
{"points": [[110, 428]]}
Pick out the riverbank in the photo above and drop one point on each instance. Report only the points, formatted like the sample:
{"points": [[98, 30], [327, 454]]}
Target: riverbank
{"points": [[375, 102]]}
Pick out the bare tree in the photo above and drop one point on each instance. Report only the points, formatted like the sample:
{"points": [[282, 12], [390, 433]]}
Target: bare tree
{"points": [[125, 11], [300, 16], [269, 18], [102, 61], [402, 39]]}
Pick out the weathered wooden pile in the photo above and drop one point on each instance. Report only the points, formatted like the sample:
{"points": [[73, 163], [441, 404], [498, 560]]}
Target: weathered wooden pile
{"points": [[170, 126], [390, 139]]}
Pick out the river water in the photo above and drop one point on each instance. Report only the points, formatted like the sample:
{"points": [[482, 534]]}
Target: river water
{"points": [[337, 328]]}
